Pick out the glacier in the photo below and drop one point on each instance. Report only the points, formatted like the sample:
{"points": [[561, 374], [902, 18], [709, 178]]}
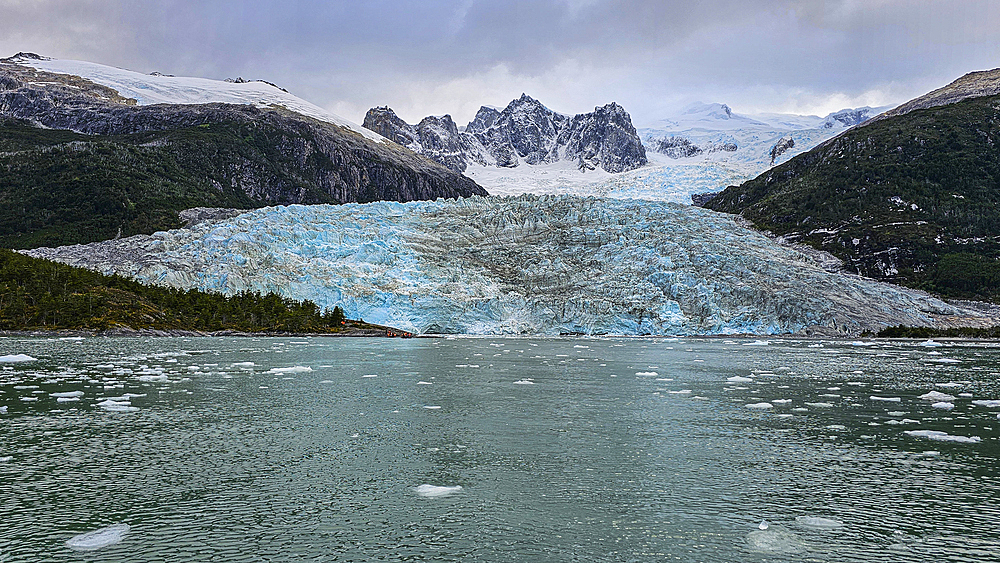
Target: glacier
{"points": [[530, 264]]}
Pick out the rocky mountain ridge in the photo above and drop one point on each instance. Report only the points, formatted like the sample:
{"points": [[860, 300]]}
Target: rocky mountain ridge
{"points": [[524, 132], [87, 143]]}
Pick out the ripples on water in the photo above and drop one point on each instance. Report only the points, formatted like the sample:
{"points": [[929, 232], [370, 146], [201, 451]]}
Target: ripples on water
{"points": [[498, 450]]}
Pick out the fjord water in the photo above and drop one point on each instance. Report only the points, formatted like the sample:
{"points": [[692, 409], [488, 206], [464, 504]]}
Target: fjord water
{"points": [[480, 449]]}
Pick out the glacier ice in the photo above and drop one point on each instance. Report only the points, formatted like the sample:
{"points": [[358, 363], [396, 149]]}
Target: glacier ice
{"points": [[519, 265], [92, 541]]}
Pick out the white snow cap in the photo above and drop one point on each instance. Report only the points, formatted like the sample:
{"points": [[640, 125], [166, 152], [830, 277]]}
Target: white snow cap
{"points": [[148, 89]]}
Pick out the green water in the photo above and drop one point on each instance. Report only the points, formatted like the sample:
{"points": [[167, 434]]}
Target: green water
{"points": [[627, 450]]}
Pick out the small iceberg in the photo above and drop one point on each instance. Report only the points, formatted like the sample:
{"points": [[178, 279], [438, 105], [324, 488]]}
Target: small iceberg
{"points": [[739, 379], [987, 404], [939, 436], [821, 405], [526, 381], [886, 399], [17, 358], [944, 405], [930, 344], [435, 491], [756, 343], [293, 369], [67, 394], [936, 396], [760, 406], [646, 373], [818, 523], [92, 541]]}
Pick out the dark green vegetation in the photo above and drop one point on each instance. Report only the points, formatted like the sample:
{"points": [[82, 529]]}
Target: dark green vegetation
{"points": [[910, 199], [59, 187], [926, 332], [42, 295]]}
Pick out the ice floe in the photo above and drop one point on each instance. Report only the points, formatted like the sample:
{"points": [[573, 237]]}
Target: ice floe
{"points": [[942, 436], [774, 540], [97, 539], [293, 369], [886, 399], [760, 406], [990, 404], [818, 523], [67, 394], [820, 405], [435, 491], [17, 358], [739, 379], [937, 396], [944, 405], [646, 373], [526, 381]]}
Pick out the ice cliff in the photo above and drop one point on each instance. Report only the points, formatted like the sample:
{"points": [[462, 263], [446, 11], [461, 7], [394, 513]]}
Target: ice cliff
{"points": [[528, 264]]}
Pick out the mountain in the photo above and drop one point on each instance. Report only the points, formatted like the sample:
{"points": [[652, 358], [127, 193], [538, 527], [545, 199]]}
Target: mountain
{"points": [[909, 197], [524, 265], [90, 152], [524, 132]]}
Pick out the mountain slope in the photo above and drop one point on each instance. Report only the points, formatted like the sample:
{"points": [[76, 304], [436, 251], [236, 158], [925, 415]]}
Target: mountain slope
{"points": [[524, 132], [909, 198], [83, 163]]}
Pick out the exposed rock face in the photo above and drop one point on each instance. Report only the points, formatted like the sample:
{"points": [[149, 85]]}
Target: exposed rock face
{"points": [[675, 147], [972, 85], [314, 157], [525, 132], [780, 147]]}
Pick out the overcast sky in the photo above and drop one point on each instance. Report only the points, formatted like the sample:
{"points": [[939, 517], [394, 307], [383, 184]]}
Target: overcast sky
{"points": [[427, 57]]}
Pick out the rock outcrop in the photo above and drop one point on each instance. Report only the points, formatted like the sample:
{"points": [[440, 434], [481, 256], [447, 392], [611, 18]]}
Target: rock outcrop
{"points": [[525, 132]]}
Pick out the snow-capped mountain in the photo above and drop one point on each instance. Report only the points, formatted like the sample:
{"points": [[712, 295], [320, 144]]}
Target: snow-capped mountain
{"points": [[157, 88], [148, 146], [525, 265], [524, 132]]}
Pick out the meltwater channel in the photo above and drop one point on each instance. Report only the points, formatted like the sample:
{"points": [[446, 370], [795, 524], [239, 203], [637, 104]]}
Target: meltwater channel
{"points": [[499, 450]]}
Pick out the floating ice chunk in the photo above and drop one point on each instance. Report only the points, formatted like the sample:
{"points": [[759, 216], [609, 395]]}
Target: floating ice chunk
{"points": [[860, 343], [820, 405], [243, 365], [67, 394], [763, 525], [886, 399], [579, 346], [781, 401], [6, 458], [814, 346], [17, 358], [987, 404], [944, 361], [432, 407], [424, 383], [524, 382], [942, 436], [117, 406], [775, 541], [67, 399], [647, 373], [29, 399], [681, 392], [930, 344], [818, 523], [97, 539], [761, 406], [435, 491], [948, 384], [739, 379], [3, 410], [937, 396], [162, 378], [293, 369], [835, 427], [944, 405], [756, 343], [369, 376], [800, 409]]}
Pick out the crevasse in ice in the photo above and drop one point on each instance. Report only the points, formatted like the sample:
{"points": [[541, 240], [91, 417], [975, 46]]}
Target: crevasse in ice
{"points": [[520, 265]]}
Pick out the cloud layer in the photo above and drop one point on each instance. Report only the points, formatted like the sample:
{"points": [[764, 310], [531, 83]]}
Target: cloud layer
{"points": [[451, 56]]}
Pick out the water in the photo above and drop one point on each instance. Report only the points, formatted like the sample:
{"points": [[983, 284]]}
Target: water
{"points": [[497, 450]]}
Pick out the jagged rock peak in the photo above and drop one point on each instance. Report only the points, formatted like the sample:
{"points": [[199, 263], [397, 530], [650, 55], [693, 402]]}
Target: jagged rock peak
{"points": [[524, 132], [24, 56]]}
